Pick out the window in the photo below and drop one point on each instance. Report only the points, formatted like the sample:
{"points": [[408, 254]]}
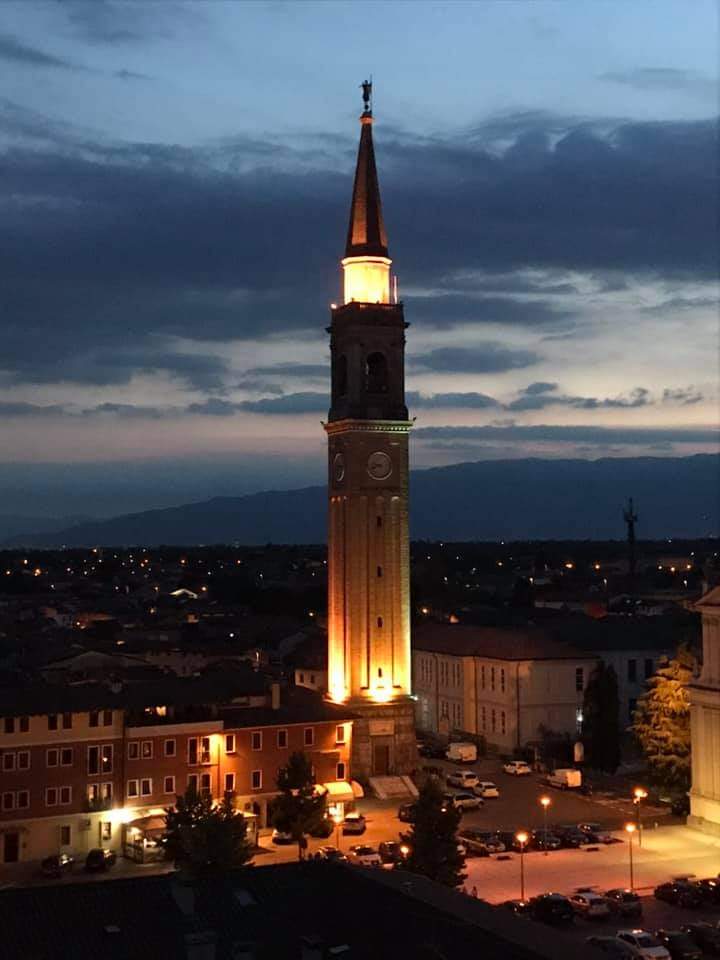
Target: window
{"points": [[484, 719], [51, 758], [502, 721], [8, 762], [193, 782], [256, 780], [632, 671], [482, 677], [229, 743], [145, 787], [24, 724], [107, 718], [100, 792], [649, 668], [302, 678], [67, 721], [378, 522], [256, 740], [229, 782], [52, 721], [146, 750], [579, 720], [309, 736], [94, 718], [132, 788], [9, 725], [502, 680], [66, 757], [205, 784], [205, 750], [632, 707], [282, 739], [100, 759], [380, 622], [8, 801], [23, 760], [192, 750], [169, 748], [50, 797], [169, 785], [493, 721], [379, 571], [340, 771], [340, 733], [376, 373], [105, 830], [65, 795], [23, 799], [133, 750], [341, 377], [579, 679], [93, 760]]}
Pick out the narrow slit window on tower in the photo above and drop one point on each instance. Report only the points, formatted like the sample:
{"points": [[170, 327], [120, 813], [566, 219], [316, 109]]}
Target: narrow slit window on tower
{"points": [[376, 373], [379, 571], [378, 521], [379, 621], [341, 376]]}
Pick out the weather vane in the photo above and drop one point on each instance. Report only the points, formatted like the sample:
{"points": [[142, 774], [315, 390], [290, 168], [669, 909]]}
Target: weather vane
{"points": [[367, 94]]}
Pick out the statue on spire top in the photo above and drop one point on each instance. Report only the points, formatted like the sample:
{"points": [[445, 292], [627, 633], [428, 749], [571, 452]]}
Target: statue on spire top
{"points": [[367, 95]]}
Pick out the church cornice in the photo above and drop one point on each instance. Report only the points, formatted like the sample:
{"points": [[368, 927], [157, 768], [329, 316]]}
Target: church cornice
{"points": [[368, 426]]}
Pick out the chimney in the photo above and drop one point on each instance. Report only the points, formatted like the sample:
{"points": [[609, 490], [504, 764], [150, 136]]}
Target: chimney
{"points": [[275, 695]]}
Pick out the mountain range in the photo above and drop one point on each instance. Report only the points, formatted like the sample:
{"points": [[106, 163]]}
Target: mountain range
{"points": [[486, 500]]}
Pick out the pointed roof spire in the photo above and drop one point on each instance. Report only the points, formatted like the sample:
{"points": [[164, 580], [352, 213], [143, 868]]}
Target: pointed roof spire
{"points": [[366, 232]]}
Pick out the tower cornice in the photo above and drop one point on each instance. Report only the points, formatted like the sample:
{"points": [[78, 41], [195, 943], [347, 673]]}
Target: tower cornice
{"points": [[368, 426]]}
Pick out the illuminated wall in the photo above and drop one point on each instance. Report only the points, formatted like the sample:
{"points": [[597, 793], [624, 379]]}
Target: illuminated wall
{"points": [[366, 279]]}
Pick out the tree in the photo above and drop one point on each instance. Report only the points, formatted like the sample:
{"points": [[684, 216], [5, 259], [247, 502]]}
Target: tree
{"points": [[433, 845], [298, 810], [601, 719], [205, 839], [662, 722]]}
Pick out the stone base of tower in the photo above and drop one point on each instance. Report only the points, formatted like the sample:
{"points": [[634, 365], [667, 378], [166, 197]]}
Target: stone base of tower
{"points": [[383, 739]]}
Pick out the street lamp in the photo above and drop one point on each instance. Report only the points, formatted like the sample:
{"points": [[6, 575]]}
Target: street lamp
{"points": [[630, 828], [522, 839], [639, 794], [337, 820], [545, 803]]}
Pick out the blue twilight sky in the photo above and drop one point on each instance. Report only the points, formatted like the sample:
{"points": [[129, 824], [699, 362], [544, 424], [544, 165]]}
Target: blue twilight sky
{"points": [[175, 180]]}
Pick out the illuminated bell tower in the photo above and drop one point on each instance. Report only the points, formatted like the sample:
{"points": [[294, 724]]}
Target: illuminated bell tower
{"points": [[368, 553]]}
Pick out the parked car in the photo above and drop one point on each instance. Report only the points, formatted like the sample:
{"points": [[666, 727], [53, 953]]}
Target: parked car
{"points": [[481, 842], [364, 855], [571, 836], [612, 947], [467, 779], [464, 801], [518, 907], [392, 851], [679, 945], [281, 837], [406, 812], [624, 903], [461, 752], [432, 750], [683, 893], [332, 854], [486, 789], [354, 823], [552, 908], [590, 905], [539, 840], [517, 768], [57, 866], [680, 806], [706, 936], [595, 833], [709, 888], [644, 944], [99, 859]]}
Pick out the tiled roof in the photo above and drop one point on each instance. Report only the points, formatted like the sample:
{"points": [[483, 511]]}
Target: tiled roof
{"points": [[496, 643], [296, 706]]}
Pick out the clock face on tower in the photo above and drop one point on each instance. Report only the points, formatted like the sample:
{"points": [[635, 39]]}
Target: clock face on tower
{"points": [[338, 467], [379, 465]]}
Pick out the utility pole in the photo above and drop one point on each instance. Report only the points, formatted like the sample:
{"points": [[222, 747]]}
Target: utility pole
{"points": [[630, 518]]}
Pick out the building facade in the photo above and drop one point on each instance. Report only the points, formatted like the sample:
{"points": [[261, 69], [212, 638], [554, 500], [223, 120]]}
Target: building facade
{"points": [[368, 550], [505, 685], [705, 722], [103, 777]]}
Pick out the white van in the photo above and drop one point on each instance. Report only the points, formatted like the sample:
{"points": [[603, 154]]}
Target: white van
{"points": [[565, 779], [461, 752]]}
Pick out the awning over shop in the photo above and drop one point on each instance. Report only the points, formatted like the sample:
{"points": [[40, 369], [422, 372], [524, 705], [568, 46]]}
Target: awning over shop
{"points": [[148, 826], [339, 791]]}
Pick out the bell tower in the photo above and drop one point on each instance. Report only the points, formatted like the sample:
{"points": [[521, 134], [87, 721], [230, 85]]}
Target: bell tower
{"points": [[368, 551]]}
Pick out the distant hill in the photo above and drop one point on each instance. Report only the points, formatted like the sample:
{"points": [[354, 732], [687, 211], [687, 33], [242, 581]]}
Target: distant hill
{"points": [[487, 500], [11, 526]]}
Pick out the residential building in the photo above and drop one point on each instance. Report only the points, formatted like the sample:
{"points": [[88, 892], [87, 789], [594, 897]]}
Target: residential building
{"points": [[705, 722], [507, 684]]}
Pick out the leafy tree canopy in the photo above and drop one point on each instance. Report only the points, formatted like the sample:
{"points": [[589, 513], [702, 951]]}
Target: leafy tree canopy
{"points": [[601, 718], [297, 810], [205, 840], [433, 845]]}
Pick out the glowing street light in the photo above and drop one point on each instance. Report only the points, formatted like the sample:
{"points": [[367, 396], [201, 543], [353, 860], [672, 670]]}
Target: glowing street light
{"points": [[630, 828], [522, 839], [337, 820], [545, 803], [639, 794]]}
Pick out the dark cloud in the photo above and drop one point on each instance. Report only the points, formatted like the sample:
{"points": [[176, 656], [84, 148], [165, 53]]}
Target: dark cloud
{"points": [[291, 369], [140, 242], [480, 358], [551, 433], [540, 386], [20, 409], [682, 395], [116, 22], [535, 398], [289, 403], [15, 51], [474, 401], [131, 75], [664, 78]]}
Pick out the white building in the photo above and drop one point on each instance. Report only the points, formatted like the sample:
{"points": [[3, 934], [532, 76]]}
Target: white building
{"points": [[504, 683], [705, 722]]}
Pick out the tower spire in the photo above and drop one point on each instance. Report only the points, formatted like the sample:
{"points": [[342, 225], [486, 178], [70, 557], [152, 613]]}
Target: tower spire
{"points": [[366, 231]]}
